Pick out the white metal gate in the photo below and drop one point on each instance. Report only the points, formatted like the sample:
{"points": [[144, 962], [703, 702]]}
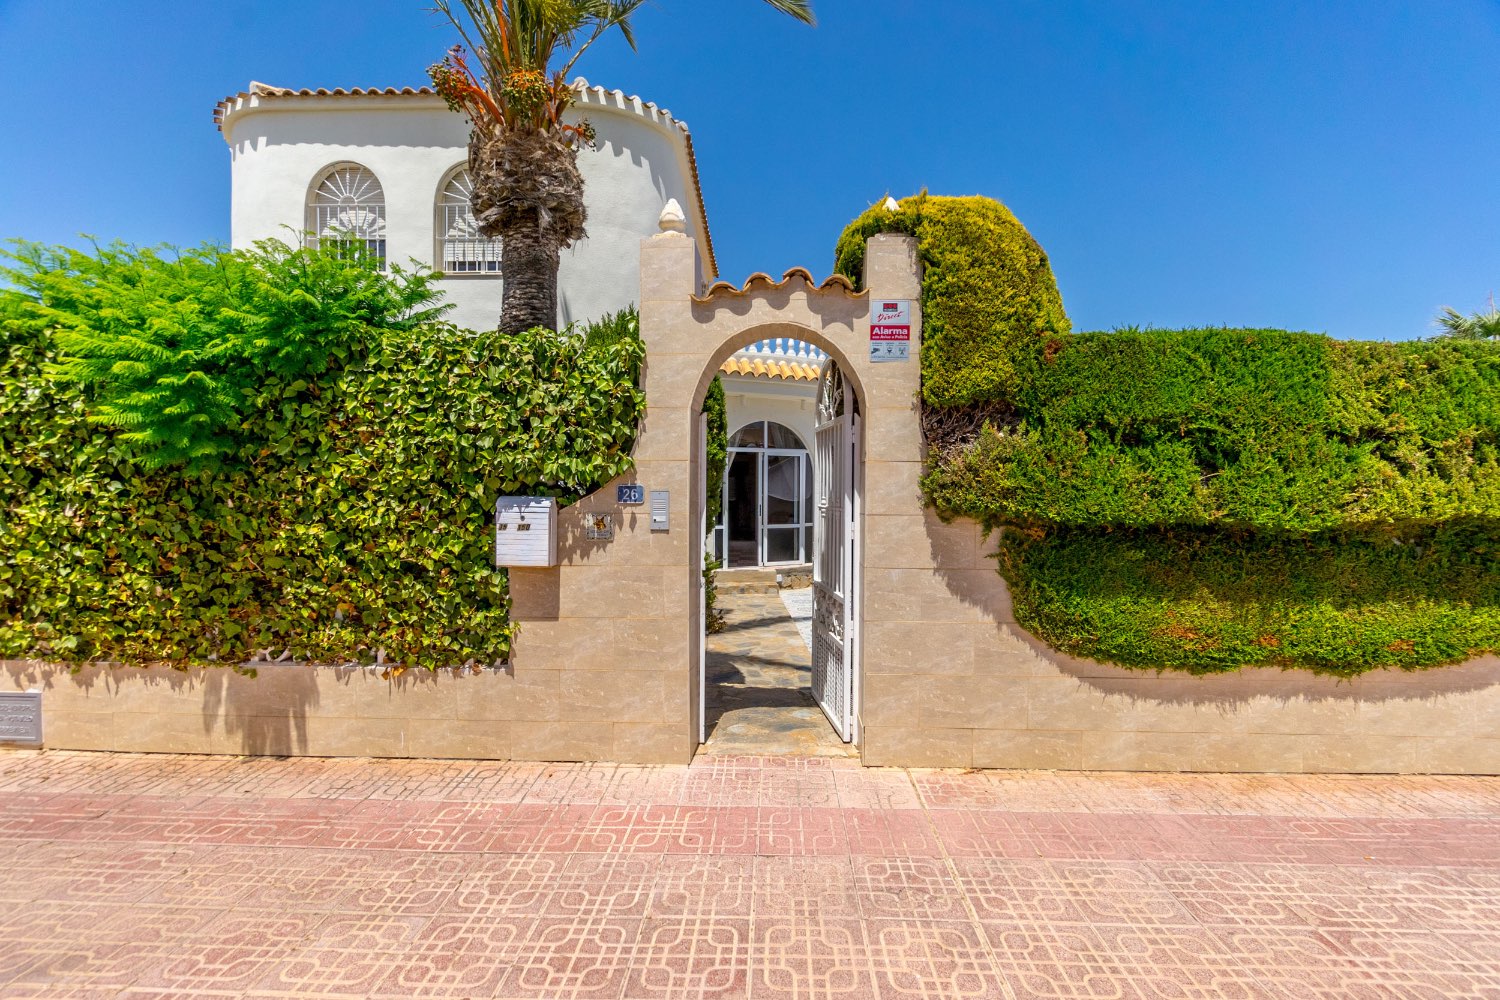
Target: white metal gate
{"points": [[834, 550]]}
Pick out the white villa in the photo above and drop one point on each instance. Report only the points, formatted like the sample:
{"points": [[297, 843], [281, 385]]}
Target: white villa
{"points": [[389, 166]]}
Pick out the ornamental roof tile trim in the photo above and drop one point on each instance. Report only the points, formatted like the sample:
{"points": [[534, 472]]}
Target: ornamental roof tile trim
{"points": [[763, 282], [588, 94], [786, 371], [780, 358]]}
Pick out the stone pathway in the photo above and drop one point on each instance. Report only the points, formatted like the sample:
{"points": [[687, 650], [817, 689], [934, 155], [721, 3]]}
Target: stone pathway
{"points": [[136, 876], [799, 604], [758, 698]]}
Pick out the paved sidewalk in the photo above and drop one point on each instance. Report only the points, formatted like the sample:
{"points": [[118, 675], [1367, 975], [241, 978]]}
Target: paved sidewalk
{"points": [[157, 876]]}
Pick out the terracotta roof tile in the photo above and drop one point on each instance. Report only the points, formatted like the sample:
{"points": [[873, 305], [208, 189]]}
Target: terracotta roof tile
{"points": [[786, 371], [760, 281]]}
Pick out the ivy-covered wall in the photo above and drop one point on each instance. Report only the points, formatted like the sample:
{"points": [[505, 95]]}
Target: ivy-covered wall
{"points": [[348, 507], [1203, 499]]}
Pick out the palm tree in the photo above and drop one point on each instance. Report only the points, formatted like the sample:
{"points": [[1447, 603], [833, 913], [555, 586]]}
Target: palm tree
{"points": [[523, 158], [1478, 326]]}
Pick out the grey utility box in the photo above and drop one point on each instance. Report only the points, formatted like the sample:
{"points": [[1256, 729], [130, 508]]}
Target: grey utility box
{"points": [[21, 718], [526, 531]]}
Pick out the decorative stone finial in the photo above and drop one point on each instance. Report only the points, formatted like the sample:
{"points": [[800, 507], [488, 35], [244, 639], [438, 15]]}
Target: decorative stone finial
{"points": [[672, 220], [890, 204]]}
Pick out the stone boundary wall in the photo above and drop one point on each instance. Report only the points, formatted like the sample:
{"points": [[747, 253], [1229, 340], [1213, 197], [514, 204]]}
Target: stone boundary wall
{"points": [[605, 665], [287, 710], [952, 681]]}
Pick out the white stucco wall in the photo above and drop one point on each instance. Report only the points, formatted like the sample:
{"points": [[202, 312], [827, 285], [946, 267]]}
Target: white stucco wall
{"points": [[280, 144], [747, 399]]}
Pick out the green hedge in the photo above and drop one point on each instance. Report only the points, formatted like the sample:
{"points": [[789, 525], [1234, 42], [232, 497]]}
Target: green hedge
{"points": [[353, 513], [1204, 499], [1208, 600], [988, 294], [1250, 428]]}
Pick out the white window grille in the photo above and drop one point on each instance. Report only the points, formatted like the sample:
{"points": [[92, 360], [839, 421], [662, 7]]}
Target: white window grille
{"points": [[461, 248], [347, 209]]}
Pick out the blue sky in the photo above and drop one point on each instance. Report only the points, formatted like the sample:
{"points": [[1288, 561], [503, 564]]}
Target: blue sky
{"points": [[1325, 166]]}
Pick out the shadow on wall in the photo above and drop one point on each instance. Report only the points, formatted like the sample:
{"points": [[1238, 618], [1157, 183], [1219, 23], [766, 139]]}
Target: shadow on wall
{"points": [[268, 722], [977, 583]]}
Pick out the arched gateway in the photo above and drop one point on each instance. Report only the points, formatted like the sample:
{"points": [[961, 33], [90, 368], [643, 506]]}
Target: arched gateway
{"points": [[619, 622]]}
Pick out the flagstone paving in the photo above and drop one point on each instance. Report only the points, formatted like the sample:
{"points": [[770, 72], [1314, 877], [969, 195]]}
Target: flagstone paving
{"points": [[160, 876], [759, 667]]}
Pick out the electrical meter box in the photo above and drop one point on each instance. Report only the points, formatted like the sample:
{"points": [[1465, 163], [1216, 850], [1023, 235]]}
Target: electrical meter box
{"points": [[526, 531]]}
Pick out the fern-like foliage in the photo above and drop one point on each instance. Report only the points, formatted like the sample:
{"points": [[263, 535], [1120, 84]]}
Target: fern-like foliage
{"points": [[173, 344]]}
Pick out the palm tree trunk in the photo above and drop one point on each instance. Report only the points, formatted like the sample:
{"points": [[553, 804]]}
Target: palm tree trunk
{"points": [[529, 260]]}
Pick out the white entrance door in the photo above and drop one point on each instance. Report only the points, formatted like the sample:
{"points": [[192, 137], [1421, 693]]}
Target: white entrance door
{"points": [[785, 478], [834, 544]]}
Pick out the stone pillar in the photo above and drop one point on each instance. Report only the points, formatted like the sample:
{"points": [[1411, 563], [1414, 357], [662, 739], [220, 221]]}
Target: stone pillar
{"points": [[916, 660], [602, 661]]}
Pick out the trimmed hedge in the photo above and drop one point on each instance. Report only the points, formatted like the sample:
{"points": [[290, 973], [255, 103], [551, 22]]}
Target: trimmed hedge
{"points": [[1249, 428], [988, 294], [354, 514], [1204, 499], [1208, 600]]}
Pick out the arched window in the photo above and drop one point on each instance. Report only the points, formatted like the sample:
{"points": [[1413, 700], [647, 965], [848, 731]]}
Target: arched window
{"points": [[347, 209], [460, 249], [767, 514]]}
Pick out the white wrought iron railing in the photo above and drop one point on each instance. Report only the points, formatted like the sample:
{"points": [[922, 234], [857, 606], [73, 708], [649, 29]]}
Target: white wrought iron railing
{"points": [[464, 251], [784, 349], [351, 225]]}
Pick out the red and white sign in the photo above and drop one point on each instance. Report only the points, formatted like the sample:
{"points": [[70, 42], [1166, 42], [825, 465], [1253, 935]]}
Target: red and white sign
{"points": [[890, 330]]}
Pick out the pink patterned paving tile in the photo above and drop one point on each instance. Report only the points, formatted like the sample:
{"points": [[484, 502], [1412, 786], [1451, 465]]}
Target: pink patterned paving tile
{"points": [[684, 958], [62, 991], [805, 887], [1163, 962], [508, 885], [644, 786], [1293, 962], [703, 886], [1046, 961], [876, 788], [539, 828], [401, 883], [890, 833], [1233, 893], [571, 784], [351, 954], [234, 952], [908, 888], [793, 831], [965, 833], [603, 885], [573, 959], [454, 955], [802, 957], [1417, 963], [1015, 890], [941, 960], [453, 827], [710, 830]]}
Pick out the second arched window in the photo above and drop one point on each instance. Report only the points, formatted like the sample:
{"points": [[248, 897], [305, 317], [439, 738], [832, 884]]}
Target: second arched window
{"points": [[461, 249]]}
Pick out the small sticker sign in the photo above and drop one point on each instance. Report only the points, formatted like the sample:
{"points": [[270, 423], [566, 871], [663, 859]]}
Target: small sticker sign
{"points": [[630, 495], [599, 527], [890, 330]]}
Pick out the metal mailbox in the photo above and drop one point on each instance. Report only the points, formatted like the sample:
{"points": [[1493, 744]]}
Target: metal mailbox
{"points": [[526, 531]]}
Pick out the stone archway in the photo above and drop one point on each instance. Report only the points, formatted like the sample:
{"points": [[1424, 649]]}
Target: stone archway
{"points": [[770, 704], [606, 659]]}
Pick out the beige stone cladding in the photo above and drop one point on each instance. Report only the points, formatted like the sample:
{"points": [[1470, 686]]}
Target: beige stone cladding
{"points": [[952, 681], [285, 709]]}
